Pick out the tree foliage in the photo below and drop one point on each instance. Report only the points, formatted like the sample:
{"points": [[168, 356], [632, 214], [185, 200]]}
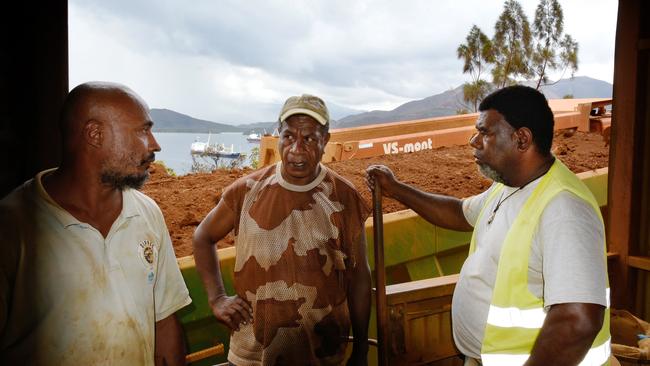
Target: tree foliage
{"points": [[548, 29], [476, 54], [518, 50], [475, 91], [512, 45], [254, 157]]}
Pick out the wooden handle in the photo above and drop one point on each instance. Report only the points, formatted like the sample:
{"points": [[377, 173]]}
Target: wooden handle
{"points": [[380, 276], [205, 353]]}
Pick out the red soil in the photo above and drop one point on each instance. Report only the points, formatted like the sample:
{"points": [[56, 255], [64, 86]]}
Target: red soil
{"points": [[185, 200]]}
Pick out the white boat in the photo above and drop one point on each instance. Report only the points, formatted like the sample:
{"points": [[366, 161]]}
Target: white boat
{"points": [[254, 137], [215, 150], [220, 154]]}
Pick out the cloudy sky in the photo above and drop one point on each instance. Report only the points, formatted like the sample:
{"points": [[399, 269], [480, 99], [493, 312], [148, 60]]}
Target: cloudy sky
{"points": [[237, 61]]}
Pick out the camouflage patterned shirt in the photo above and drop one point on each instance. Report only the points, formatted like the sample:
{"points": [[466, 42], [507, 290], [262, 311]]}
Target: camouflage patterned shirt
{"points": [[293, 246]]}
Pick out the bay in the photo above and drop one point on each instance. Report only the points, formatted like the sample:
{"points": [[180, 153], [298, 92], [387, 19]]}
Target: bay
{"points": [[175, 147]]}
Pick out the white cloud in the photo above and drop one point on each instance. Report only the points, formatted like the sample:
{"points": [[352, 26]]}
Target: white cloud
{"points": [[236, 62]]}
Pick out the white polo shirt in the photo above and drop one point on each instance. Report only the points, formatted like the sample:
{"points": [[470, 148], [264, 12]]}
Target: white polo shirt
{"points": [[69, 296]]}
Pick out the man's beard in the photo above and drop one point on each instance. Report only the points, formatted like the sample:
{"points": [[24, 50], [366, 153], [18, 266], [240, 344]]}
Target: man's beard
{"points": [[120, 181], [114, 178], [490, 173]]}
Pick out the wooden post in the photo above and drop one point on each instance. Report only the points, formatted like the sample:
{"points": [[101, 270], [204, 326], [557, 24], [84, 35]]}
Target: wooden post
{"points": [[380, 276], [624, 154]]}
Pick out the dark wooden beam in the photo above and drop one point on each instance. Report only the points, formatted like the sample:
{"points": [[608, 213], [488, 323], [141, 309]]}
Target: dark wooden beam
{"points": [[34, 84], [623, 146]]}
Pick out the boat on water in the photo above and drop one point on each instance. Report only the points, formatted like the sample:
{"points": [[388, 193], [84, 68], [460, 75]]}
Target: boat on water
{"points": [[220, 154], [254, 137], [216, 150]]}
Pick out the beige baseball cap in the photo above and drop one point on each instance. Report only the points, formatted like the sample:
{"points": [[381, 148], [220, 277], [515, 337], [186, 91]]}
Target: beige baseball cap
{"points": [[310, 105]]}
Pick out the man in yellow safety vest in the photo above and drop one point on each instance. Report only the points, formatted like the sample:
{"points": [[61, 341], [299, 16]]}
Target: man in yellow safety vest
{"points": [[534, 289]]}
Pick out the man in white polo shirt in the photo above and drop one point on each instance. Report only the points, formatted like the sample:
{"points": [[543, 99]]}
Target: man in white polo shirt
{"points": [[88, 274]]}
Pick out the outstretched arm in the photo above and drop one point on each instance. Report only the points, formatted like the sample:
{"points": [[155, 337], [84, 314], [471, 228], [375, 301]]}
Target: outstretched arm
{"points": [[230, 310], [359, 302], [443, 211], [567, 334]]}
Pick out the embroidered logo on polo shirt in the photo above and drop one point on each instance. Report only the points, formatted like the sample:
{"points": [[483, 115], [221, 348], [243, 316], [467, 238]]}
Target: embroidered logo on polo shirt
{"points": [[148, 251]]}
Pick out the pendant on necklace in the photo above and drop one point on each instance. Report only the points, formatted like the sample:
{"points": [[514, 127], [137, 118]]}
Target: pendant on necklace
{"points": [[491, 218]]}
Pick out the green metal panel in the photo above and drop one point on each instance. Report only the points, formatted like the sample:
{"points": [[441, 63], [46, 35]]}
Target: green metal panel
{"points": [[423, 268], [405, 239], [596, 181], [452, 261], [201, 328], [410, 240], [449, 239]]}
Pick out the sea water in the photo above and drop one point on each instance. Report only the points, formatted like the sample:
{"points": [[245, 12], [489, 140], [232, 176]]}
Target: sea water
{"points": [[175, 147]]}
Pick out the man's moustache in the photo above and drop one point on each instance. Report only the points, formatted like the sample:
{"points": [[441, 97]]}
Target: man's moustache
{"points": [[150, 159]]}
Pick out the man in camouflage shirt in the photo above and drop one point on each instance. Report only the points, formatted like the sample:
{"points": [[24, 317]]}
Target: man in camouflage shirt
{"points": [[301, 273]]}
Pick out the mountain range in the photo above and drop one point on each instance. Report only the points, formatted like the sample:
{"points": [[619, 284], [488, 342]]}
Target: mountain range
{"points": [[443, 104], [167, 120], [450, 101]]}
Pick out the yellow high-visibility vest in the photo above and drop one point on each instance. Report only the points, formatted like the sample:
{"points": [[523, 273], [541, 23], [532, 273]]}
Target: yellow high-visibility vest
{"points": [[516, 315]]}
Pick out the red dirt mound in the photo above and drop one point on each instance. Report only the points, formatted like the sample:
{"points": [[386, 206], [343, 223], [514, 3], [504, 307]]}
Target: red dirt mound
{"points": [[185, 200]]}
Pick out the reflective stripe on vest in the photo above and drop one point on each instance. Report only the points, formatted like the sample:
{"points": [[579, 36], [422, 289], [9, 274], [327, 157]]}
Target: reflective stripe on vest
{"points": [[595, 357], [516, 315]]}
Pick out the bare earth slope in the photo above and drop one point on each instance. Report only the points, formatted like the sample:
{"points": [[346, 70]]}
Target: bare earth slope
{"points": [[187, 199]]}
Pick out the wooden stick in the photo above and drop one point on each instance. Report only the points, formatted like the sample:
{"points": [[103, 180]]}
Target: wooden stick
{"points": [[380, 276], [205, 353]]}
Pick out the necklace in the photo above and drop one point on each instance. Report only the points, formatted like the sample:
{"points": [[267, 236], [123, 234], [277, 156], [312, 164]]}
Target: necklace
{"points": [[496, 208], [501, 201]]}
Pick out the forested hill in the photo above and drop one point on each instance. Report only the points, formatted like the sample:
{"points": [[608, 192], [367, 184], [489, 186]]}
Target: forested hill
{"points": [[166, 120], [450, 101]]}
